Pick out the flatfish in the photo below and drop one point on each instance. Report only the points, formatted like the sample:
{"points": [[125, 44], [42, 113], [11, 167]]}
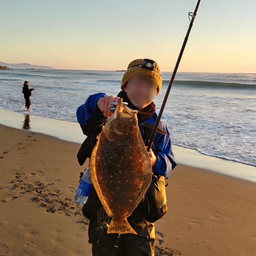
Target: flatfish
{"points": [[120, 168]]}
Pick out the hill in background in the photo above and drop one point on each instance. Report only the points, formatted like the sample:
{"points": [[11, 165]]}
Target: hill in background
{"points": [[24, 65]]}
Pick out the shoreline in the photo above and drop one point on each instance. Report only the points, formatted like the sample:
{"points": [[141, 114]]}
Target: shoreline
{"points": [[70, 131], [209, 213]]}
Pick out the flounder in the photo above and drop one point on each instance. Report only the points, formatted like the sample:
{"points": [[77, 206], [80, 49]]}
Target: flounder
{"points": [[120, 168]]}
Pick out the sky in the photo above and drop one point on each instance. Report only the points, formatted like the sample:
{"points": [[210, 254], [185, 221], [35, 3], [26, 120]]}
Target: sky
{"points": [[107, 35]]}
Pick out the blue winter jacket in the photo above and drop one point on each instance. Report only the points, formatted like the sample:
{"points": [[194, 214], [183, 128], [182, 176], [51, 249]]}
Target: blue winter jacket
{"points": [[88, 115]]}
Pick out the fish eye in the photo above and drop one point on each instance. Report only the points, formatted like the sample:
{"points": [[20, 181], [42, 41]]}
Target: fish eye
{"points": [[129, 120]]}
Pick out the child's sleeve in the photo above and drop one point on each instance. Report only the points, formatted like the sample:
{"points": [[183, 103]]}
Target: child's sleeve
{"points": [[165, 158], [89, 115]]}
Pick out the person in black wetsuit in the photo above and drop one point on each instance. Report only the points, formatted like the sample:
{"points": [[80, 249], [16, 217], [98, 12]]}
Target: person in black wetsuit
{"points": [[27, 94]]}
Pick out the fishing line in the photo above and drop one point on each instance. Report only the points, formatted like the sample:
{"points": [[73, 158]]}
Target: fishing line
{"points": [[191, 16], [48, 78], [45, 80]]}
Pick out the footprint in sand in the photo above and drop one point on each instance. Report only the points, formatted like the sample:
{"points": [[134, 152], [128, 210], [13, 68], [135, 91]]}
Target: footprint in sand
{"points": [[159, 238], [215, 218], [160, 234], [73, 187], [30, 138], [20, 146], [166, 251], [45, 195], [4, 153], [41, 173]]}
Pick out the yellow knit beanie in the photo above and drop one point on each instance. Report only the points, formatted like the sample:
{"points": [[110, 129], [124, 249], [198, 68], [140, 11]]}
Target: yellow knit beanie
{"points": [[145, 67]]}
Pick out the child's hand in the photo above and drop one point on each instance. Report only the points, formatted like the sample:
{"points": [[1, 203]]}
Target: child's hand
{"points": [[104, 104], [152, 157]]}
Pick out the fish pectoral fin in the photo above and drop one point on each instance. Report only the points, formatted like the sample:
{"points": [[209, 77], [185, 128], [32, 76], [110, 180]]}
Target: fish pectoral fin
{"points": [[121, 227]]}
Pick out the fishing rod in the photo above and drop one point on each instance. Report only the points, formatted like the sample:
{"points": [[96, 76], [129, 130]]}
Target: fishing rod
{"points": [[44, 80], [55, 75], [153, 133], [50, 77], [192, 16]]}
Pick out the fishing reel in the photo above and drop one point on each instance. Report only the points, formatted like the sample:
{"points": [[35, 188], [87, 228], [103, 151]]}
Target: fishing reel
{"points": [[113, 108]]}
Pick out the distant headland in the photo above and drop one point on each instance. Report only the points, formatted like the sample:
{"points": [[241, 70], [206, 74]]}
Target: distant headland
{"points": [[24, 66], [5, 68]]}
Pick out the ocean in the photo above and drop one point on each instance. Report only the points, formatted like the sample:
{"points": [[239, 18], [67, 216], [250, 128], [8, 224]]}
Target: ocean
{"points": [[214, 114]]}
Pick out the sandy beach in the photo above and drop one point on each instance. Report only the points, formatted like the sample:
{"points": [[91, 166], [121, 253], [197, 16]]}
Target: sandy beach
{"points": [[209, 213]]}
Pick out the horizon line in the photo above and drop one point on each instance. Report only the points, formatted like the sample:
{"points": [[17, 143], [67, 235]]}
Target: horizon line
{"points": [[123, 70]]}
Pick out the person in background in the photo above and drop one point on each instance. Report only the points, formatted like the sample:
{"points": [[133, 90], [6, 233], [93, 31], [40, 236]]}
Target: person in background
{"points": [[27, 94]]}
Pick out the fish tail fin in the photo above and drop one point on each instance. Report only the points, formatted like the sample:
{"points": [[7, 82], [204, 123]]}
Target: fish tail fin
{"points": [[120, 227]]}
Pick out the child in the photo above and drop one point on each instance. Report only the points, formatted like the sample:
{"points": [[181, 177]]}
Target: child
{"points": [[141, 83]]}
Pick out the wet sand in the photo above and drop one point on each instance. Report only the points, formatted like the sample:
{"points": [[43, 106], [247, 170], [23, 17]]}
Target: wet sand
{"points": [[209, 213]]}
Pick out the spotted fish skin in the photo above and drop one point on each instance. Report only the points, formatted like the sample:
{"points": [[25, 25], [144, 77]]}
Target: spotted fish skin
{"points": [[120, 168]]}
